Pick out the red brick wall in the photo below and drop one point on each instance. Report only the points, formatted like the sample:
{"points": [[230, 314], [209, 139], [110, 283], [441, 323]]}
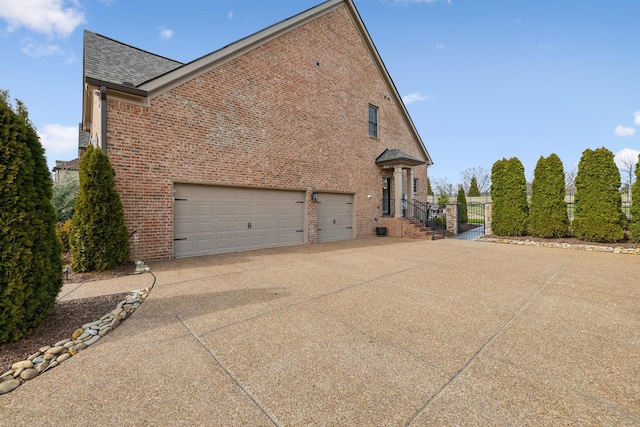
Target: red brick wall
{"points": [[292, 113]]}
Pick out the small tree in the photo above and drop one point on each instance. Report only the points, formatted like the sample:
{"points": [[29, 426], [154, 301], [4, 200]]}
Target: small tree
{"points": [[509, 196], [443, 199], [429, 189], [30, 261], [634, 225], [99, 238], [598, 213], [548, 211], [65, 193], [473, 188], [462, 201]]}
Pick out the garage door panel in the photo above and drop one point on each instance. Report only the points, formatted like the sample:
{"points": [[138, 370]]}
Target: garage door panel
{"points": [[335, 217], [209, 219]]}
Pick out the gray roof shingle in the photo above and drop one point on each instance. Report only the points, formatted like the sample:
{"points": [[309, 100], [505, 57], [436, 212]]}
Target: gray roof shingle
{"points": [[114, 62], [395, 155]]}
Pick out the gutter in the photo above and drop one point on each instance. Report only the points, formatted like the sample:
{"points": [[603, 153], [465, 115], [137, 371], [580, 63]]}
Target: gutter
{"points": [[103, 118]]}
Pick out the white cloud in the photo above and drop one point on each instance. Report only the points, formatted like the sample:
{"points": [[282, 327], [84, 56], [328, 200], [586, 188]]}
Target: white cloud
{"points": [[51, 17], [415, 97], [165, 33], [626, 154], [60, 142], [230, 15], [637, 118], [624, 131], [419, 1], [440, 46], [37, 50]]}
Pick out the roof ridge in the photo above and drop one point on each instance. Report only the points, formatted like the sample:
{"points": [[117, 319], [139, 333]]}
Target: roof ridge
{"points": [[133, 47]]}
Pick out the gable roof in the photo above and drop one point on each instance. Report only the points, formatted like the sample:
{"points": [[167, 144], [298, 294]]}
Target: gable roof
{"points": [[152, 75], [110, 61], [394, 155]]}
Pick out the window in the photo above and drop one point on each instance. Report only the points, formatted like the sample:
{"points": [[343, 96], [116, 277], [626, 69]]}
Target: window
{"points": [[415, 185], [373, 121]]}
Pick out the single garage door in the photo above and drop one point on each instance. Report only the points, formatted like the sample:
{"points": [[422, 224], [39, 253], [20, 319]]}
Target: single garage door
{"points": [[211, 220], [335, 217]]}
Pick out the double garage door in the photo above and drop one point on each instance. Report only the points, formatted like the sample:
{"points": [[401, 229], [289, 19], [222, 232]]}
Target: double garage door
{"points": [[211, 220]]}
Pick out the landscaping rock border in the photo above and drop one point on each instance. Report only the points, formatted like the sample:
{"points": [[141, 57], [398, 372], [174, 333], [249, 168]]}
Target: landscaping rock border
{"points": [[594, 248], [51, 356]]}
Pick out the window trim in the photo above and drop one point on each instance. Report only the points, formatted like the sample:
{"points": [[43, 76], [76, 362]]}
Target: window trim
{"points": [[416, 185], [374, 131]]}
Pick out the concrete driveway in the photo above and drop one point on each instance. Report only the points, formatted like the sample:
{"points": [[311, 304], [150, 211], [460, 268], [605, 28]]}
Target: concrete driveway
{"points": [[364, 332]]}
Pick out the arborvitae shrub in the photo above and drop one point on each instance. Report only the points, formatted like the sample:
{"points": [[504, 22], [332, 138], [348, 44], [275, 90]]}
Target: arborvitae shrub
{"points": [[30, 258], [64, 197], [548, 211], [634, 224], [429, 190], [462, 201], [473, 188], [509, 197], [598, 213], [99, 238], [63, 231]]}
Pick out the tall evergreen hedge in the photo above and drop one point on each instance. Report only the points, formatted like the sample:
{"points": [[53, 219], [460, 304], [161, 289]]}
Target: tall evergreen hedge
{"points": [[598, 213], [99, 238], [634, 225], [548, 211], [30, 258], [474, 191], [509, 197], [462, 201]]}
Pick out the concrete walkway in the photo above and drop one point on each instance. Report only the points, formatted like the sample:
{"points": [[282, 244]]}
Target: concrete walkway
{"points": [[365, 332]]}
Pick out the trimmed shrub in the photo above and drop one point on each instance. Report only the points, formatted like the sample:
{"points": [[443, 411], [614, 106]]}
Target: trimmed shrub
{"points": [[474, 191], [99, 238], [30, 258], [65, 193], [548, 211], [429, 190], [462, 201], [443, 199], [598, 213], [509, 197], [634, 224], [63, 231]]}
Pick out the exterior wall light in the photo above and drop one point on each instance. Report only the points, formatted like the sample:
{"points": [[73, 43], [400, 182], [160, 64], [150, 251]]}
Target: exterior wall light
{"points": [[314, 197]]}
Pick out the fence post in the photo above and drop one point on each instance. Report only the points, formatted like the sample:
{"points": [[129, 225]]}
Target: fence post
{"points": [[453, 217], [487, 219]]}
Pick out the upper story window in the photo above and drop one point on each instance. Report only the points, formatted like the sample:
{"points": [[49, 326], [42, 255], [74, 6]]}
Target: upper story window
{"points": [[415, 185], [373, 121]]}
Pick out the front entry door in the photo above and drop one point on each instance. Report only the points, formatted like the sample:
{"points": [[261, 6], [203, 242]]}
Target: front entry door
{"points": [[386, 196]]}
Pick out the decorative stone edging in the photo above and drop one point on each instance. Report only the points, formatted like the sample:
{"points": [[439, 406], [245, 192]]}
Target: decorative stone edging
{"points": [[51, 356], [594, 248]]}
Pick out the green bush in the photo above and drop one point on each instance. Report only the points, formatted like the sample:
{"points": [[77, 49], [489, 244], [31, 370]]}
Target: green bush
{"points": [[462, 201], [474, 191], [30, 258], [99, 238], [509, 197], [548, 210], [63, 231], [598, 213], [443, 199], [634, 224], [65, 193]]}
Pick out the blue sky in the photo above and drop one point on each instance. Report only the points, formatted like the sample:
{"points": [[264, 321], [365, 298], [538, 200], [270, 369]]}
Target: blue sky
{"points": [[482, 79]]}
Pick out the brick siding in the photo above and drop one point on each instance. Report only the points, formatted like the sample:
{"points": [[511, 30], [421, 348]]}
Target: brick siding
{"points": [[290, 114]]}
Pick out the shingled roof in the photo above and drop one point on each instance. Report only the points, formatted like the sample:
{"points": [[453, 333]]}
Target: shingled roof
{"points": [[114, 62], [396, 156]]}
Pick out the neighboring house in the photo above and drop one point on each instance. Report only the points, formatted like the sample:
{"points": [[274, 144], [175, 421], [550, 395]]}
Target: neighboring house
{"points": [[65, 169], [295, 134]]}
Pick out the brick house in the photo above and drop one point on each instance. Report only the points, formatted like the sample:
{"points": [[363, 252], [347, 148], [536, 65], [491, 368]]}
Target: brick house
{"points": [[295, 134]]}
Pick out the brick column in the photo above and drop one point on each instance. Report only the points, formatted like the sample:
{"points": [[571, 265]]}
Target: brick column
{"points": [[453, 217], [487, 219]]}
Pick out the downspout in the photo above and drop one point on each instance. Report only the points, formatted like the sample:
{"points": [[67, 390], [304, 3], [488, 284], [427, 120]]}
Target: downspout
{"points": [[103, 118]]}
